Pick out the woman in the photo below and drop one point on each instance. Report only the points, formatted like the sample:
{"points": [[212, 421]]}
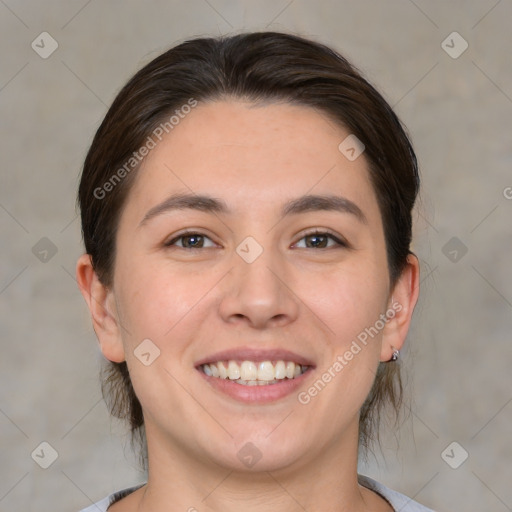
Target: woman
{"points": [[246, 212]]}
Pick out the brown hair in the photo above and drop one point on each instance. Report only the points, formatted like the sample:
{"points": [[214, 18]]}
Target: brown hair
{"points": [[259, 67]]}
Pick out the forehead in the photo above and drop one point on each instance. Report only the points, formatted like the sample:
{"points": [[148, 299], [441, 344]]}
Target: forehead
{"points": [[252, 154]]}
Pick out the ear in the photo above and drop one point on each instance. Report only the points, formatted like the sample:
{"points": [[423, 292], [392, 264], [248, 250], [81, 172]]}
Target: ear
{"points": [[101, 303], [400, 308]]}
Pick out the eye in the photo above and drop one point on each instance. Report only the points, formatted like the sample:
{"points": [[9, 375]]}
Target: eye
{"points": [[190, 240], [315, 240], [320, 239]]}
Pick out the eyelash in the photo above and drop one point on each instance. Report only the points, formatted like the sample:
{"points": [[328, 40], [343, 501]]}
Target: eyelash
{"points": [[185, 234]]}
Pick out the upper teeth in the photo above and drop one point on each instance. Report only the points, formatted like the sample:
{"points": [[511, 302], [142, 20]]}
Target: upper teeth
{"points": [[250, 371]]}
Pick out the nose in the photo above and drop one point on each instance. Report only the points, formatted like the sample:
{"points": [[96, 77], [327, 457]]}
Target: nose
{"points": [[259, 294]]}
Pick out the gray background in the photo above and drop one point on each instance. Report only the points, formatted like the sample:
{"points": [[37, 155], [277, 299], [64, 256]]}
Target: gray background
{"points": [[459, 113]]}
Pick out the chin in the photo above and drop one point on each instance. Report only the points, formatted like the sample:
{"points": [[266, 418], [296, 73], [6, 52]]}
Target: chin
{"points": [[261, 453]]}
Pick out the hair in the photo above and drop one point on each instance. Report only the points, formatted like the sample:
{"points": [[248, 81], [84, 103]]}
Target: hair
{"points": [[258, 67]]}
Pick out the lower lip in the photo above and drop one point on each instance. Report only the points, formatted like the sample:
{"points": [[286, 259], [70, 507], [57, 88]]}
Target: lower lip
{"points": [[257, 394]]}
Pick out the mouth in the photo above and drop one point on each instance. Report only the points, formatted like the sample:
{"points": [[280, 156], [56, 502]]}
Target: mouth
{"points": [[255, 376], [253, 373]]}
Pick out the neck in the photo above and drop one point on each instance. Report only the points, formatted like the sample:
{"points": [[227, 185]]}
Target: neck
{"points": [[325, 481]]}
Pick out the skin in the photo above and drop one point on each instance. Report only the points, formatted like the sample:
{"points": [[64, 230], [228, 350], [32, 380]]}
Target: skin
{"points": [[193, 303]]}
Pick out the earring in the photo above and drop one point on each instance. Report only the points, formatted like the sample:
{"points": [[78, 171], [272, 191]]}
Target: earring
{"points": [[395, 355]]}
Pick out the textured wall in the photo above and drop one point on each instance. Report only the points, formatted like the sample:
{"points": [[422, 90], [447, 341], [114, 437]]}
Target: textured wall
{"points": [[458, 109]]}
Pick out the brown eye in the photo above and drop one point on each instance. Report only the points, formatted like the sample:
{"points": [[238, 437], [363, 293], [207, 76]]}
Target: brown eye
{"points": [[189, 241], [320, 240]]}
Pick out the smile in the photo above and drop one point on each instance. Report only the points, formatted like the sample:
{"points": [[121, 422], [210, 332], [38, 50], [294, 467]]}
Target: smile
{"points": [[250, 373]]}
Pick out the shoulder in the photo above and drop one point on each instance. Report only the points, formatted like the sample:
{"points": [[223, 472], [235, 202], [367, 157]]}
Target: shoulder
{"points": [[397, 500], [102, 506]]}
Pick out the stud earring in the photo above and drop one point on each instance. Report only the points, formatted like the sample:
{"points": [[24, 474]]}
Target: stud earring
{"points": [[395, 355]]}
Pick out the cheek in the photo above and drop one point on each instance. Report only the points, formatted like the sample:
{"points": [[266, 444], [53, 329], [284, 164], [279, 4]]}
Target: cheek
{"points": [[350, 299], [161, 305], [349, 302], [158, 301]]}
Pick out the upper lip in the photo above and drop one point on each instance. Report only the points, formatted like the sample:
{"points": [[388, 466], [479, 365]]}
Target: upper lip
{"points": [[256, 355]]}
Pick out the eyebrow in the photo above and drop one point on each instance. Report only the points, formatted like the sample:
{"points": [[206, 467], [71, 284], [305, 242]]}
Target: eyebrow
{"points": [[209, 204]]}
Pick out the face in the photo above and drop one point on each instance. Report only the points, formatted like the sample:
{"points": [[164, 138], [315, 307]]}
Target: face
{"points": [[255, 271]]}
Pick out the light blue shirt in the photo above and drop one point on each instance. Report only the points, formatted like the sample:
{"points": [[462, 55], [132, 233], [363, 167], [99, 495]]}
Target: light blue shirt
{"points": [[399, 502]]}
